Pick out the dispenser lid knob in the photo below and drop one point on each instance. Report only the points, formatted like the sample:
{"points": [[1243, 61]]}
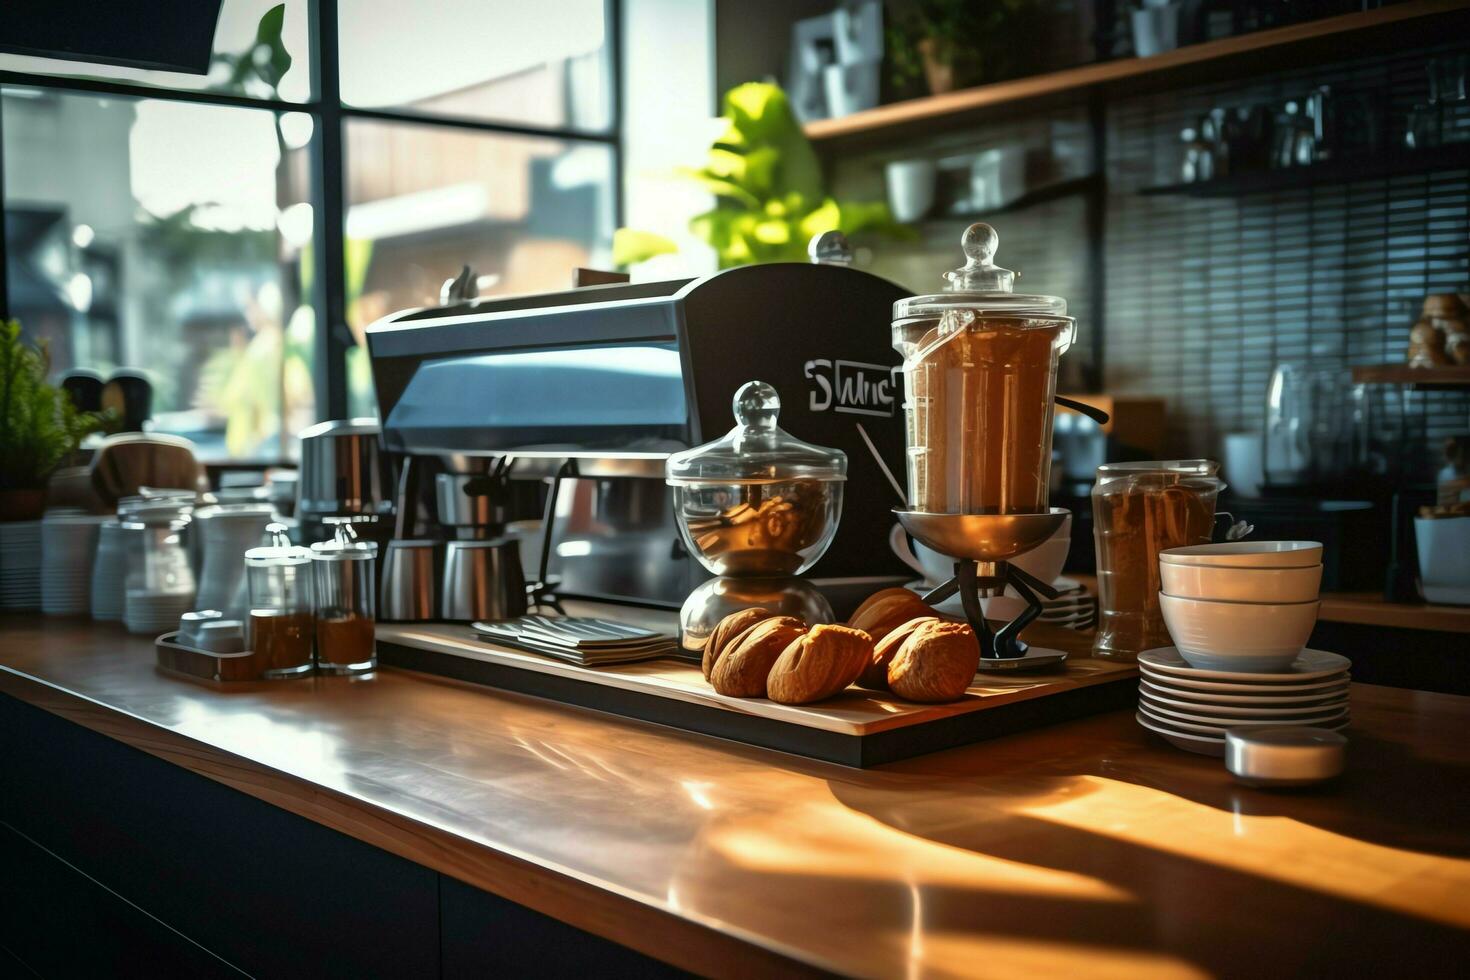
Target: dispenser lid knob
{"points": [[980, 273], [756, 406], [829, 248]]}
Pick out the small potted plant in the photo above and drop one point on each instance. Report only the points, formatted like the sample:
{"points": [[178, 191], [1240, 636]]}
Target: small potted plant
{"points": [[39, 426], [953, 44]]}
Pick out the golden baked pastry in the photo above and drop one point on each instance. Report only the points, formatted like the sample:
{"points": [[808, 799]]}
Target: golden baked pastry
{"points": [[745, 663], [887, 611], [818, 664], [875, 671], [728, 629], [937, 662]]}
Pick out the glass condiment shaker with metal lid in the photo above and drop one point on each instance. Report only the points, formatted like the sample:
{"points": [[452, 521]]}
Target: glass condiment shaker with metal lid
{"points": [[343, 572], [980, 373], [757, 501], [279, 628]]}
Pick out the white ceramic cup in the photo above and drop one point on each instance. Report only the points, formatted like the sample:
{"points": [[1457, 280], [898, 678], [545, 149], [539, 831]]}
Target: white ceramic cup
{"points": [[1238, 636], [910, 188], [1444, 558], [1225, 583]]}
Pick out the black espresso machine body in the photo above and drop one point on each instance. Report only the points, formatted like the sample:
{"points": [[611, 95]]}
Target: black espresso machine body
{"points": [[602, 383]]}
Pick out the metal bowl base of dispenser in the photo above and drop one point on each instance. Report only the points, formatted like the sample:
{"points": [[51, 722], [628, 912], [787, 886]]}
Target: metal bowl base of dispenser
{"points": [[982, 546]]}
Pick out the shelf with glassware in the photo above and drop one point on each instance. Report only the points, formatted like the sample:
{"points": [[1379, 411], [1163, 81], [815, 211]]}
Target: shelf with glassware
{"points": [[1330, 38], [1351, 167]]}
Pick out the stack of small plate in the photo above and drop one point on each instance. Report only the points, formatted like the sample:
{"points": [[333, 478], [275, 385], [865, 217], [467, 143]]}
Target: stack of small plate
{"points": [[1073, 609], [110, 569], [1192, 708], [68, 546], [151, 613], [20, 565]]}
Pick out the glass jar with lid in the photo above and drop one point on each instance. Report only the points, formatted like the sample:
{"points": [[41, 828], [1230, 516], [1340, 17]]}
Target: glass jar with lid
{"points": [[343, 572], [980, 371], [1138, 510], [757, 502], [279, 629]]}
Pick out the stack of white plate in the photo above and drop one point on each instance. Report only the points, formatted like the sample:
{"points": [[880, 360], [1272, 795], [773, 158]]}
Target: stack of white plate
{"points": [[68, 547], [151, 613], [1192, 708], [1074, 608], [110, 569], [20, 565]]}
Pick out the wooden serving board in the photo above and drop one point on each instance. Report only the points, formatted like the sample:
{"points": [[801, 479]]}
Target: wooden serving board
{"points": [[856, 728]]}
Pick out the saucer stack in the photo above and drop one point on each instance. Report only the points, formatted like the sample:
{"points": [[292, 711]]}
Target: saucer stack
{"points": [[110, 569], [68, 547], [20, 565], [155, 612], [1192, 708]]}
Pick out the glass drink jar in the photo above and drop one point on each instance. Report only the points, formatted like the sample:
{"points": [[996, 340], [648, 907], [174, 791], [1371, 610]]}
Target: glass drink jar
{"points": [[980, 371], [279, 630], [343, 574], [1138, 510]]}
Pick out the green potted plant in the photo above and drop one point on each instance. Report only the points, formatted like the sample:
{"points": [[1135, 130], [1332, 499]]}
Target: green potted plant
{"points": [[952, 44], [39, 426], [770, 199]]}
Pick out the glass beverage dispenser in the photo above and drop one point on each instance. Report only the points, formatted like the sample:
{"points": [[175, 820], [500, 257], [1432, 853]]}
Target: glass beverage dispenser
{"points": [[980, 373]]}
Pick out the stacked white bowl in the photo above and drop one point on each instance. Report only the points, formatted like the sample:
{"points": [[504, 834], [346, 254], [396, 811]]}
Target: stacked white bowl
{"points": [[68, 548], [1240, 615], [20, 565], [1241, 605]]}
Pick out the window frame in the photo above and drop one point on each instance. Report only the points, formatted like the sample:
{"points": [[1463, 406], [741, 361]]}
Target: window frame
{"points": [[329, 164]]}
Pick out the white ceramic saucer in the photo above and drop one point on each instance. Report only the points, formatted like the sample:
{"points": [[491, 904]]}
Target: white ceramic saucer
{"points": [[1209, 715], [1257, 690], [1194, 699], [1339, 720], [1309, 665], [1198, 744]]}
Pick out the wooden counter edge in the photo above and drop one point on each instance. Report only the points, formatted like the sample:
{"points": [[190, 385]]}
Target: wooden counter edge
{"points": [[605, 912]]}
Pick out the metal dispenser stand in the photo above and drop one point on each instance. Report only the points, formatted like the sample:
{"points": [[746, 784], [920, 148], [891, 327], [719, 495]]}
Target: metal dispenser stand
{"points": [[982, 546]]}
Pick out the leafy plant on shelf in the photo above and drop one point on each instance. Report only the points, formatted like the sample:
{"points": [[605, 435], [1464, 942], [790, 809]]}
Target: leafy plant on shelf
{"points": [[39, 425], [952, 44], [769, 195]]}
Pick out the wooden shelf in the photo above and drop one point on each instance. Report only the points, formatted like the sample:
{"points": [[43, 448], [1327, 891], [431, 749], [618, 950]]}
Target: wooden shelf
{"points": [[1041, 195], [1352, 168], [1327, 38], [1450, 376]]}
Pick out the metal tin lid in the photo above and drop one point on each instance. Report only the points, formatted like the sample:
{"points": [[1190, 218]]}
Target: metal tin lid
{"points": [[757, 450], [1284, 755], [344, 545], [276, 549], [980, 285]]}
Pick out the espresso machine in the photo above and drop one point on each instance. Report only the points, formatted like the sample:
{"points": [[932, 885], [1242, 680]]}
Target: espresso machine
{"points": [[574, 401]]}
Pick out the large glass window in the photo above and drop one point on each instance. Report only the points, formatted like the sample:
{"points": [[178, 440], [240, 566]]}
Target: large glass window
{"points": [[172, 223], [166, 236], [542, 64]]}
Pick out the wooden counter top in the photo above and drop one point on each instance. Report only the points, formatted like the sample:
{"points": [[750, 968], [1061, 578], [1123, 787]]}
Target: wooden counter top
{"points": [[1088, 848]]}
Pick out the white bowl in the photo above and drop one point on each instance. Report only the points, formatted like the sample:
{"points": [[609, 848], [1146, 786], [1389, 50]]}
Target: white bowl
{"points": [[1247, 554], [1255, 637], [1249, 584]]}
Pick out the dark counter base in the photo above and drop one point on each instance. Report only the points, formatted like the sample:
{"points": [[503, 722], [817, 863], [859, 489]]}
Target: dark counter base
{"points": [[119, 864]]}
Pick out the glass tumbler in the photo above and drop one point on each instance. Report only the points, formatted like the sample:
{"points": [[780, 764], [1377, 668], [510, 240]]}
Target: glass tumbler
{"points": [[1139, 510], [343, 573], [279, 628]]}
